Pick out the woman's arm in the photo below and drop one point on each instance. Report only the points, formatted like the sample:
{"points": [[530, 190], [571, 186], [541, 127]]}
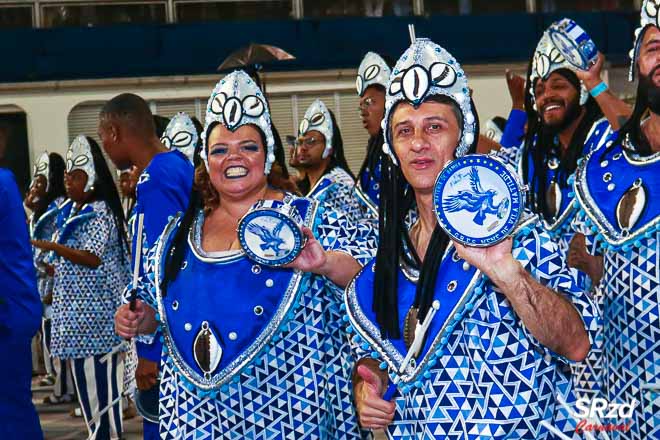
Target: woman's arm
{"points": [[337, 266]]}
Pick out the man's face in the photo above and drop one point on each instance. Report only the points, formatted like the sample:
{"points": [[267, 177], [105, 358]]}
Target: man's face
{"points": [[649, 55], [424, 140], [372, 109], [648, 64], [108, 132], [126, 185], [310, 149], [557, 101]]}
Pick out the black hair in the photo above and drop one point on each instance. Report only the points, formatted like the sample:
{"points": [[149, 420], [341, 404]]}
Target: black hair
{"points": [[56, 189], [337, 158], [396, 200], [106, 190], [160, 125], [632, 129], [539, 143], [131, 109]]}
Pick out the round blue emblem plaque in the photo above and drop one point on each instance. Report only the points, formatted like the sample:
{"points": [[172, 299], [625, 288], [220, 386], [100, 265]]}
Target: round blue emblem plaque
{"points": [[574, 44], [270, 233], [478, 200]]}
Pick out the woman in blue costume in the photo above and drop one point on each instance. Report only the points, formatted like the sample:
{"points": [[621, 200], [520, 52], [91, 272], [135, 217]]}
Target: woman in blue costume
{"points": [[44, 198], [249, 351], [90, 257], [492, 363]]}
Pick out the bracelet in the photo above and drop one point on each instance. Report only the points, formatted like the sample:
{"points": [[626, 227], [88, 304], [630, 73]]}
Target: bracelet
{"points": [[600, 88]]}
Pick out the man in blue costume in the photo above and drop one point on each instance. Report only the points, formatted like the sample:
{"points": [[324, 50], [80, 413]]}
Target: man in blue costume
{"points": [[20, 316], [320, 155], [126, 128], [494, 365], [569, 112], [615, 187]]}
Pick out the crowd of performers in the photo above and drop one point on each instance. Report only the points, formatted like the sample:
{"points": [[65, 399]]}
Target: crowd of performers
{"points": [[564, 311]]}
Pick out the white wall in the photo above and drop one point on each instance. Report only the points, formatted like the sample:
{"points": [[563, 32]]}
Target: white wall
{"points": [[48, 104]]}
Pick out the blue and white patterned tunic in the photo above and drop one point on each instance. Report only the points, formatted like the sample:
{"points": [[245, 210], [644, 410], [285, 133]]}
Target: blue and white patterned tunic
{"points": [[252, 351], [85, 299], [338, 190], [586, 374], [481, 374], [621, 217], [43, 229]]}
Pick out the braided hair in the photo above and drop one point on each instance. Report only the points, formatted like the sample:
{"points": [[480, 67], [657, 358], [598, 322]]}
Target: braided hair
{"points": [[106, 190]]}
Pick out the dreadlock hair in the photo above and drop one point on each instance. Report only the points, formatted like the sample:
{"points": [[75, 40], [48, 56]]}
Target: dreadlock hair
{"points": [[205, 196], [337, 158], [106, 190], [56, 189], [539, 141], [397, 198], [632, 129]]}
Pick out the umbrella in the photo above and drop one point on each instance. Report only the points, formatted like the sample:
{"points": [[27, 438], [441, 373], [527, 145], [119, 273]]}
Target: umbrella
{"points": [[254, 54]]}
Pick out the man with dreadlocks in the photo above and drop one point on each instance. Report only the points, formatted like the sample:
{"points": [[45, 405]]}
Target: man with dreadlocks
{"points": [[619, 214], [371, 81], [569, 112], [494, 367], [320, 155]]}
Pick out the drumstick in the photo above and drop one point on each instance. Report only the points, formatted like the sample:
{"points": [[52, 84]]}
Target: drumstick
{"points": [[136, 261]]}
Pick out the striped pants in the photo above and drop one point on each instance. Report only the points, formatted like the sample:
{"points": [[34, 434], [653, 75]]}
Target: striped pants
{"points": [[56, 367], [99, 381]]}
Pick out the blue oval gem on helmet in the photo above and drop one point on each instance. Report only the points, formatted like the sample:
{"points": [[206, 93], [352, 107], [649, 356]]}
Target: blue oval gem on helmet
{"points": [[478, 200], [270, 233]]}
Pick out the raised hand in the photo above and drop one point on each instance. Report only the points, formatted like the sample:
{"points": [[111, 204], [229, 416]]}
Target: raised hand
{"points": [[516, 85]]}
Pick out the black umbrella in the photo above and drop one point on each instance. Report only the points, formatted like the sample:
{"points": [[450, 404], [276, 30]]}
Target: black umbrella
{"points": [[254, 55]]}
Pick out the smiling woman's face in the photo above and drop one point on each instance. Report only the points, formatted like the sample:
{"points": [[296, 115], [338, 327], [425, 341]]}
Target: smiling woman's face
{"points": [[236, 161], [424, 140]]}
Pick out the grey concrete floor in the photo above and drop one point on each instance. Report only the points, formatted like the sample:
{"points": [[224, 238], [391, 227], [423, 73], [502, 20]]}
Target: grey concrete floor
{"points": [[57, 424]]}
